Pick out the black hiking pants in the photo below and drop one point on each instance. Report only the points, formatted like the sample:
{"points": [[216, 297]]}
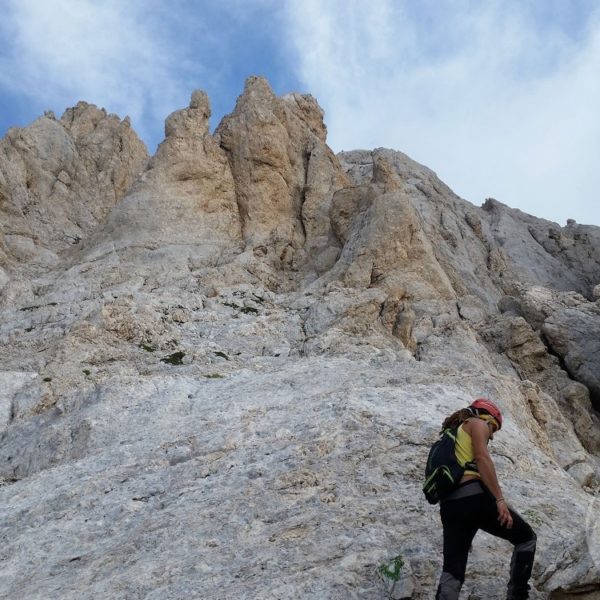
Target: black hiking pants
{"points": [[463, 513]]}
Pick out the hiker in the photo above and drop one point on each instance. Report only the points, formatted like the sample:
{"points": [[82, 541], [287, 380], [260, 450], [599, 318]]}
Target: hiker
{"points": [[478, 503]]}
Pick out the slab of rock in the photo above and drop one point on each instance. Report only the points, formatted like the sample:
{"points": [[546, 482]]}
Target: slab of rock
{"points": [[229, 386], [243, 482], [60, 178], [574, 334], [285, 176]]}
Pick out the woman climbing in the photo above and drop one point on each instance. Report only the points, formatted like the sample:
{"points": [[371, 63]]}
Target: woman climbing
{"points": [[478, 503]]}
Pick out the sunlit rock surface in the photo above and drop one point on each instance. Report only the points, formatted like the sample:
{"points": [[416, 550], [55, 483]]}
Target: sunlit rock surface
{"points": [[223, 366]]}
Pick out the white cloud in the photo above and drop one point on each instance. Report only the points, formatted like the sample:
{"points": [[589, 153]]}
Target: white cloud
{"points": [[497, 100], [109, 52], [498, 103]]}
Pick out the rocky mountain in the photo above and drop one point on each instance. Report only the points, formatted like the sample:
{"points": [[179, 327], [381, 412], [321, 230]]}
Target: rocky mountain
{"points": [[222, 366]]}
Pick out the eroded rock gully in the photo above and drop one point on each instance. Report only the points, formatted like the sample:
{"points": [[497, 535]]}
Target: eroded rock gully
{"points": [[222, 366]]}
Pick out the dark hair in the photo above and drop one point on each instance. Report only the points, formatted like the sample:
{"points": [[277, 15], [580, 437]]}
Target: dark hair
{"points": [[456, 418]]}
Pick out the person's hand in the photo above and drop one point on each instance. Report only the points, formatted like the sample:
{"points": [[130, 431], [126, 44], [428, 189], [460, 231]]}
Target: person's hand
{"points": [[504, 515]]}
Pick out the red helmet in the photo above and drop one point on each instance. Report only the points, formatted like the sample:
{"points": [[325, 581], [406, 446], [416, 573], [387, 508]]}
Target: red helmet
{"points": [[489, 407]]}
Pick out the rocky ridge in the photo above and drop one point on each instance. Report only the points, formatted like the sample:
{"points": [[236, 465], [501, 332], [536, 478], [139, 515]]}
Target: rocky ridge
{"points": [[223, 365]]}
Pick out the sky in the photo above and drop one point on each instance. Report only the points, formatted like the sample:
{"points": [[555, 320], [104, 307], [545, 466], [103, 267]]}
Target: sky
{"points": [[499, 97]]}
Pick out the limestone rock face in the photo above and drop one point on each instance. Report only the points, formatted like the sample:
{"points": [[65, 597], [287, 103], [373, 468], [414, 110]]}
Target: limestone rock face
{"points": [[574, 334], [229, 385], [60, 178], [540, 252], [566, 333], [285, 177], [457, 255], [183, 209], [385, 243]]}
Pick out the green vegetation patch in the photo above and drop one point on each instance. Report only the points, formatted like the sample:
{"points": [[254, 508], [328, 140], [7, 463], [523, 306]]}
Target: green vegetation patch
{"points": [[214, 376], [147, 348], [533, 516], [247, 310], [174, 359], [392, 570]]}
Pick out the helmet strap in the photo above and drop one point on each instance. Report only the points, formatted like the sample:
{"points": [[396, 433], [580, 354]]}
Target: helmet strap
{"points": [[489, 419]]}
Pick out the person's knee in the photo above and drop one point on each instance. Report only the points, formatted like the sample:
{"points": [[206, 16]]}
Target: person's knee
{"points": [[533, 536], [531, 539], [527, 545], [525, 536]]}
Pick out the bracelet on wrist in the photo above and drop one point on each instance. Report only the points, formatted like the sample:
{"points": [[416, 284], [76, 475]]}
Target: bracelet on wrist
{"points": [[498, 500]]}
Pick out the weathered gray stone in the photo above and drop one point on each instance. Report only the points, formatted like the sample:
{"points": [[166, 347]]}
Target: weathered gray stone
{"points": [[285, 177], [574, 334], [59, 179], [229, 386]]}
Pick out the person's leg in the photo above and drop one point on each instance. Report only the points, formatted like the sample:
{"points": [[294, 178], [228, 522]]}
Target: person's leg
{"points": [[523, 538], [458, 535], [521, 565]]}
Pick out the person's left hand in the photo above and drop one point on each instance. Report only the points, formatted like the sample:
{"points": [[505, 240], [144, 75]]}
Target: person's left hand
{"points": [[504, 515]]}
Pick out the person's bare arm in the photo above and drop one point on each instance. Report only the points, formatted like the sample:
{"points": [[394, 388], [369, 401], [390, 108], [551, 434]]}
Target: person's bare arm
{"points": [[480, 434]]}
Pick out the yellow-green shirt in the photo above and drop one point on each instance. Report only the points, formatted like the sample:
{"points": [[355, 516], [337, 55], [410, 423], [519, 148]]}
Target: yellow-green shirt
{"points": [[464, 450]]}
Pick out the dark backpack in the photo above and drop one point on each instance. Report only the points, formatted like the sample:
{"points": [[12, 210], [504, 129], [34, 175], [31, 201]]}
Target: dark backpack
{"points": [[442, 472]]}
